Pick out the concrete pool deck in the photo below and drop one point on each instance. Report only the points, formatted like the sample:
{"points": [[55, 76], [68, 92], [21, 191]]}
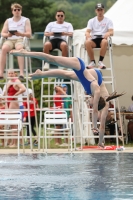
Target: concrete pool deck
{"points": [[60, 151]]}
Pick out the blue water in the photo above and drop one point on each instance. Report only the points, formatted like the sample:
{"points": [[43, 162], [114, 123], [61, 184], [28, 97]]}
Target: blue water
{"points": [[67, 177]]}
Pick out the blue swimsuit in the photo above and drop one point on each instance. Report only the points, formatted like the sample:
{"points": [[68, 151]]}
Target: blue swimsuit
{"points": [[86, 84]]}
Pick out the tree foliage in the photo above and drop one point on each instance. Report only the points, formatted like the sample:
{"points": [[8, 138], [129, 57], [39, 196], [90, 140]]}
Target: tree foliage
{"points": [[38, 11], [41, 12]]}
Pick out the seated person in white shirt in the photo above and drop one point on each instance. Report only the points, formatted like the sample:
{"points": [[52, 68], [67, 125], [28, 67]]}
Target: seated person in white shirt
{"points": [[130, 108], [14, 29], [129, 117], [57, 31], [98, 30]]}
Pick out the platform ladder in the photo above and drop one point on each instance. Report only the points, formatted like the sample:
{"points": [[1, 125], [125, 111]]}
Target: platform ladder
{"points": [[109, 80], [48, 85], [27, 65]]}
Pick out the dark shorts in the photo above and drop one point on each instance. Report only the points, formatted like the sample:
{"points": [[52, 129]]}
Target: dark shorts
{"points": [[61, 126], [56, 43], [97, 41]]}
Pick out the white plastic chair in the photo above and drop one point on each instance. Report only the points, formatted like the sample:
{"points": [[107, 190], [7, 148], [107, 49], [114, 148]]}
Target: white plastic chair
{"points": [[53, 117], [8, 118]]}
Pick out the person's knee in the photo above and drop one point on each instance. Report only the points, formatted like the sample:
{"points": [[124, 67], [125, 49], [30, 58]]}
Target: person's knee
{"points": [[18, 47], [63, 46], [104, 43], [6, 49], [47, 45], [88, 43]]}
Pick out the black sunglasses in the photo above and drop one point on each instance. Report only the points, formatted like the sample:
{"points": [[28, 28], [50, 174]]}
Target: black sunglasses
{"points": [[17, 9], [60, 15], [99, 9]]}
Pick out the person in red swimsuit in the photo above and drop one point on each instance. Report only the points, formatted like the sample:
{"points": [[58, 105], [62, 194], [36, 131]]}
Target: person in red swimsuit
{"points": [[13, 88], [33, 104]]}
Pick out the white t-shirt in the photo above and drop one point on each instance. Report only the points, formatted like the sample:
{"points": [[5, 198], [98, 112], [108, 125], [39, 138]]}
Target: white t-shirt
{"points": [[99, 28], [19, 26], [130, 108], [1, 91], [55, 27]]}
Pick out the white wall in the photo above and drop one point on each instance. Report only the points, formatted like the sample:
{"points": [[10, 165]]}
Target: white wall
{"points": [[123, 71]]}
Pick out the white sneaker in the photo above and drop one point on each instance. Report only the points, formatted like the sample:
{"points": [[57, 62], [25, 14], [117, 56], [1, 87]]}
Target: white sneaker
{"points": [[101, 65], [64, 145], [91, 65], [46, 67]]}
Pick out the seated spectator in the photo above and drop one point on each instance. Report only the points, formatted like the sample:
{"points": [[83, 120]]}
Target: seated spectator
{"points": [[14, 30], [13, 89], [98, 30], [130, 122], [32, 102], [67, 105], [67, 102], [110, 122], [57, 30], [58, 102], [130, 108]]}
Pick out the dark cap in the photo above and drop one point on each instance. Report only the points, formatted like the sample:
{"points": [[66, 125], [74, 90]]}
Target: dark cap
{"points": [[99, 6]]}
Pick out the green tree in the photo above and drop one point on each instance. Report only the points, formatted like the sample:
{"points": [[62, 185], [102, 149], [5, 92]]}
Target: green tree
{"points": [[38, 11]]}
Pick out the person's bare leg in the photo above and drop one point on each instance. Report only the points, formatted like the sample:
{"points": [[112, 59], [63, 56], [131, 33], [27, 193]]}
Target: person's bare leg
{"points": [[104, 44], [54, 73], [20, 61], [14, 140], [47, 47], [68, 62], [104, 114], [64, 49], [4, 51], [14, 105], [89, 45]]}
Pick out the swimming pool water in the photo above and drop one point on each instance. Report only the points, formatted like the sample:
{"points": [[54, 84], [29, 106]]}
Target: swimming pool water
{"points": [[101, 176]]}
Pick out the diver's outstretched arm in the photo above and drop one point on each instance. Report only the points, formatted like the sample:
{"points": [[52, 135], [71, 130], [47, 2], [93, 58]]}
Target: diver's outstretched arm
{"points": [[67, 62], [59, 73]]}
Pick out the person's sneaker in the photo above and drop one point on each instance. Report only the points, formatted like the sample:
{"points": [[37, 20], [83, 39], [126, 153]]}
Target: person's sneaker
{"points": [[1, 78], [46, 67], [21, 78], [91, 65], [101, 65], [64, 145]]}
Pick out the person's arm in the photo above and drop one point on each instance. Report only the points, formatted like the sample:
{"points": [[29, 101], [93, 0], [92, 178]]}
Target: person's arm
{"points": [[47, 31], [109, 33], [37, 106], [27, 32], [5, 32], [87, 34], [96, 89], [62, 92], [20, 87], [69, 31]]}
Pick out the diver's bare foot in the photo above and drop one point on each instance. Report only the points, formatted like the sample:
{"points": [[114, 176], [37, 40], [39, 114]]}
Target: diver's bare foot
{"points": [[95, 131], [18, 51], [101, 146], [37, 72]]}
